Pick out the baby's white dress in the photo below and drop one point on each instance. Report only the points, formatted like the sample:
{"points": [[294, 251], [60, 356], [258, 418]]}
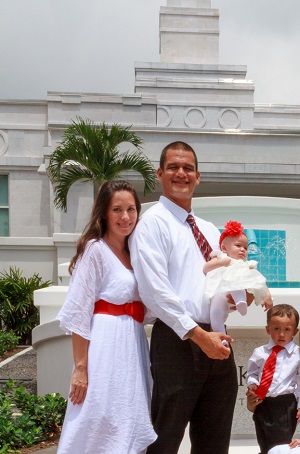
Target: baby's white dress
{"points": [[114, 417], [240, 275]]}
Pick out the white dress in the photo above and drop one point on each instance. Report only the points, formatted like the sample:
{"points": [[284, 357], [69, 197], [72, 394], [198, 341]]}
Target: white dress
{"points": [[240, 275], [114, 417]]}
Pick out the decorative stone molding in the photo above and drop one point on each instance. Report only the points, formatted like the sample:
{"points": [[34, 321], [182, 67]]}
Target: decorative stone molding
{"points": [[164, 116], [194, 117], [229, 118], [3, 143]]}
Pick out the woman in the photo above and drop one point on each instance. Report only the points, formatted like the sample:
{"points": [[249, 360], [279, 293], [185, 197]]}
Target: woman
{"points": [[108, 407]]}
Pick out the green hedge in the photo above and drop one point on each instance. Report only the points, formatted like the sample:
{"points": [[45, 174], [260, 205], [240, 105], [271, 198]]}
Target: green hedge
{"points": [[17, 311], [26, 419], [8, 341]]}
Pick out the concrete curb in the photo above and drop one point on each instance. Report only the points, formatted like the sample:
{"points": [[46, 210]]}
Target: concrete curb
{"points": [[51, 450], [11, 358]]}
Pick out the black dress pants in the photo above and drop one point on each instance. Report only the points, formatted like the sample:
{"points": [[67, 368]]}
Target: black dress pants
{"points": [[275, 421], [190, 387]]}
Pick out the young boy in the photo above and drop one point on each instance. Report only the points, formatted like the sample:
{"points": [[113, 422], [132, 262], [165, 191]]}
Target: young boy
{"points": [[277, 392]]}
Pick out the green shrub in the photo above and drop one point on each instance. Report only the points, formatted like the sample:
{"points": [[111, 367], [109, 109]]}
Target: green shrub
{"points": [[26, 419], [17, 311], [8, 341]]}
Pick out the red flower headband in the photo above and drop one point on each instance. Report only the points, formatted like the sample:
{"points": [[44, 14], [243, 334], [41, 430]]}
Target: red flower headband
{"points": [[232, 228]]}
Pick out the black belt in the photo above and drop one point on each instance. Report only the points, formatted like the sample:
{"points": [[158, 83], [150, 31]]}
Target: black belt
{"points": [[287, 396], [205, 326]]}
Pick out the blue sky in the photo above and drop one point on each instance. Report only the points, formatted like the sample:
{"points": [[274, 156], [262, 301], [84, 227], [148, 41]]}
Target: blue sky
{"points": [[91, 46]]}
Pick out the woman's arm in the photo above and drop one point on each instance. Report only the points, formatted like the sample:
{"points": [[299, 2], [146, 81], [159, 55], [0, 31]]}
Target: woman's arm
{"points": [[79, 382]]}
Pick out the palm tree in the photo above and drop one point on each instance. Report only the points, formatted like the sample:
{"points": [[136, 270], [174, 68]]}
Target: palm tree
{"points": [[90, 152]]}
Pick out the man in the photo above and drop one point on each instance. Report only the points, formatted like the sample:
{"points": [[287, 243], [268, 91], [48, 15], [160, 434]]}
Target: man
{"points": [[191, 384]]}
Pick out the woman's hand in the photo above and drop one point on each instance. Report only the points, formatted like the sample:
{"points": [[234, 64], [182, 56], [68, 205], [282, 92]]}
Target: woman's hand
{"points": [[79, 381], [230, 300], [79, 385]]}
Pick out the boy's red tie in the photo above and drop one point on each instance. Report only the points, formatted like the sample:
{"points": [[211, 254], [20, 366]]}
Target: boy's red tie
{"points": [[268, 372]]}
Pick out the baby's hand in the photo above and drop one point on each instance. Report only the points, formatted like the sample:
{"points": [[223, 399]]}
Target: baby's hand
{"points": [[225, 261], [267, 305], [267, 302]]}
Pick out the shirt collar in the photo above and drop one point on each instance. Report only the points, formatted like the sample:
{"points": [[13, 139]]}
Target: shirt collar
{"points": [[289, 347], [175, 209]]}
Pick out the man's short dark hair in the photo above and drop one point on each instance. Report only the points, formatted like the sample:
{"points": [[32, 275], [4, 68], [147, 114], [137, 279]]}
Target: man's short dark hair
{"points": [[176, 146]]}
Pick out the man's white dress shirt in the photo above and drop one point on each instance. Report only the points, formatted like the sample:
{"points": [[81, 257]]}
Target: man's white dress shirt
{"points": [[168, 265]]}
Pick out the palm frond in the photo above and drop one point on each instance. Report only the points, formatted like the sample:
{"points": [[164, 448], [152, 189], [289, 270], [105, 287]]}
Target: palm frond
{"points": [[71, 174], [89, 152], [138, 162], [119, 134]]}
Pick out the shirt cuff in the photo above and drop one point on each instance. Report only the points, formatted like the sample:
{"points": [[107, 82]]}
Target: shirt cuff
{"points": [[184, 324]]}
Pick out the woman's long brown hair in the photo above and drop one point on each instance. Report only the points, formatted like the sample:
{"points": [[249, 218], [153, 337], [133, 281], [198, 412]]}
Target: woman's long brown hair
{"points": [[97, 226]]}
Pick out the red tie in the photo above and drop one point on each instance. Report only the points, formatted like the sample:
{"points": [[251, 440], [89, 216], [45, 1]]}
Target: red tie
{"points": [[202, 242], [268, 372]]}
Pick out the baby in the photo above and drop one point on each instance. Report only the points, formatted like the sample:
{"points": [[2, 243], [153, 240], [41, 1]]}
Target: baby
{"points": [[228, 271]]}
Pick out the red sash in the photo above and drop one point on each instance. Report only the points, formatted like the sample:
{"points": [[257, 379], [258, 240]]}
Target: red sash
{"points": [[134, 309]]}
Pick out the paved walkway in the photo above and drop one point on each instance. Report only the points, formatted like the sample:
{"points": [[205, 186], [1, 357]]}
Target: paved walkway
{"points": [[236, 447]]}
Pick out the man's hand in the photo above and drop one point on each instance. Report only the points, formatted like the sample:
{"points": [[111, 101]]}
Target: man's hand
{"points": [[211, 343], [230, 300]]}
